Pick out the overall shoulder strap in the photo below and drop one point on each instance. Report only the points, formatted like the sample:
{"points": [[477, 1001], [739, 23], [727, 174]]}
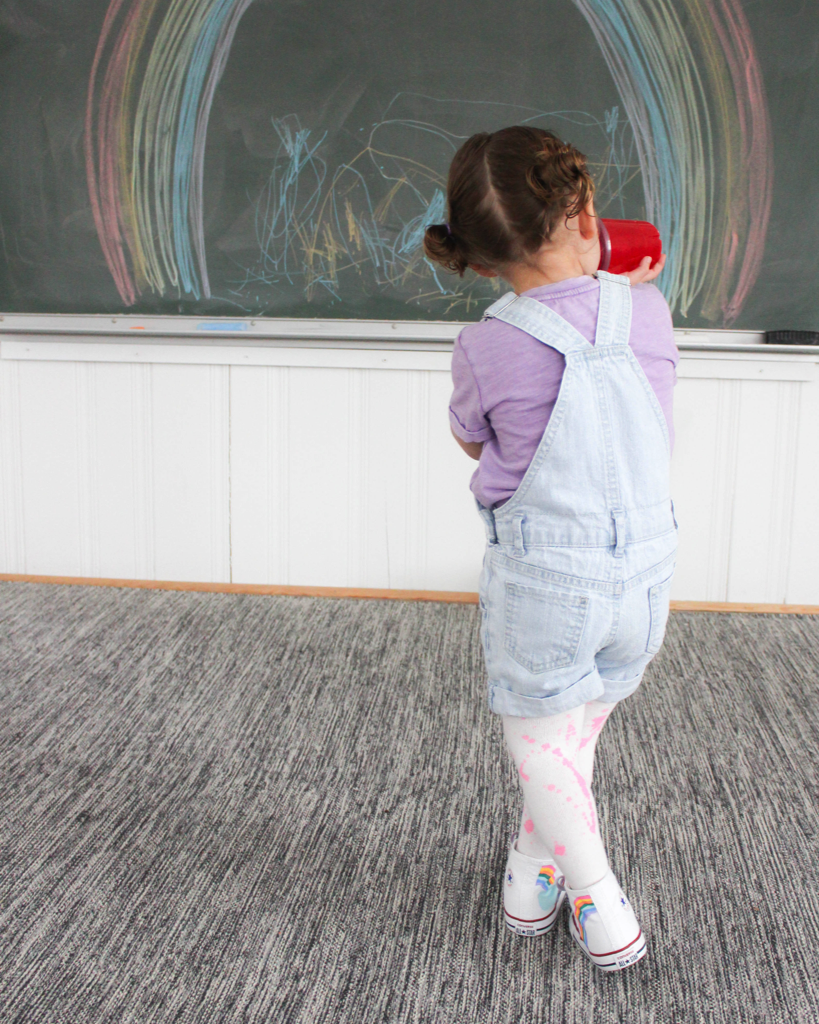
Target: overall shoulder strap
{"points": [[504, 300], [614, 313], [539, 320]]}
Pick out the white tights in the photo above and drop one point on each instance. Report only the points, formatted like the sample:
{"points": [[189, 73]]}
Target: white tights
{"points": [[554, 758]]}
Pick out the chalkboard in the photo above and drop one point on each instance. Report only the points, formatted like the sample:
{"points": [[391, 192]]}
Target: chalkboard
{"points": [[282, 158]]}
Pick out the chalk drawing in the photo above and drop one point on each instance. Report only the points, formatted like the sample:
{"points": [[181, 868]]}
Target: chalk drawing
{"points": [[692, 123]]}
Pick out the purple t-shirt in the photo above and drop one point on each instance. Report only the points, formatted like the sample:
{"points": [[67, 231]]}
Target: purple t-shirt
{"points": [[506, 382]]}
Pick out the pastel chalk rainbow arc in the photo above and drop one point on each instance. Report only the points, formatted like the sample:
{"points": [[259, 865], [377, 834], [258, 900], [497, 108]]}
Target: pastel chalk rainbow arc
{"points": [[145, 140], [686, 71], [696, 104]]}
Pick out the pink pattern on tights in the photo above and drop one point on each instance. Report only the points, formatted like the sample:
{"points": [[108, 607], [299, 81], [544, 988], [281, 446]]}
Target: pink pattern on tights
{"points": [[596, 726], [529, 825], [559, 850], [584, 789]]}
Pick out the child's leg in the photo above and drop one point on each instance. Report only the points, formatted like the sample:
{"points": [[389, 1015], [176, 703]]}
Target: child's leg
{"points": [[558, 799], [595, 716]]}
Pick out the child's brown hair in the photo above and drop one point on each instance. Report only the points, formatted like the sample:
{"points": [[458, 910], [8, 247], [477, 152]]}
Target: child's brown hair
{"points": [[507, 191]]}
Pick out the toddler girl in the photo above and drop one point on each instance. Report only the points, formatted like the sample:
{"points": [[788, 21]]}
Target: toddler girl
{"points": [[563, 393]]}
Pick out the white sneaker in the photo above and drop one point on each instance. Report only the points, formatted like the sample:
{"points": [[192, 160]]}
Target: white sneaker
{"points": [[603, 924], [531, 895]]}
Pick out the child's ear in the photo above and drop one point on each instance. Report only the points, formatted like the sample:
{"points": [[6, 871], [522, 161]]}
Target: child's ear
{"points": [[483, 271], [587, 221]]}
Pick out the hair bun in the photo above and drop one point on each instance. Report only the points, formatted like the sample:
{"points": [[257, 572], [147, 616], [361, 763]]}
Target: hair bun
{"points": [[441, 247], [559, 172]]}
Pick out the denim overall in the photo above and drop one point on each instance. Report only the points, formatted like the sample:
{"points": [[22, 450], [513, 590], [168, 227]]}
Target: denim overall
{"points": [[576, 578]]}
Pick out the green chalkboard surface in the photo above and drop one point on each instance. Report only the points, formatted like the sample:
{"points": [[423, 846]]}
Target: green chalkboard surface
{"points": [[282, 158]]}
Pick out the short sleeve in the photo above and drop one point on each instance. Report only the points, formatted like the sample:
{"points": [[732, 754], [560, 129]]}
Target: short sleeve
{"points": [[466, 415]]}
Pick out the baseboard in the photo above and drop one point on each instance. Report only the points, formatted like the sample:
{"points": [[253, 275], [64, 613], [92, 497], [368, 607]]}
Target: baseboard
{"points": [[745, 608], [451, 596]]}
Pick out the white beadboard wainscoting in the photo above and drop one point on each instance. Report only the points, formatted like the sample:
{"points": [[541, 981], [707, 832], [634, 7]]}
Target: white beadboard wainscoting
{"points": [[318, 453]]}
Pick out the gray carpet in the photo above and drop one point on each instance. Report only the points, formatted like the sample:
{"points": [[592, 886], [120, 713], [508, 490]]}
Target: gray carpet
{"points": [[221, 808]]}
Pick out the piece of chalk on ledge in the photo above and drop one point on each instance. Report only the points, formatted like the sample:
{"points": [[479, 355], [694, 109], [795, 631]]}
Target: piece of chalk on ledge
{"points": [[223, 325], [792, 337]]}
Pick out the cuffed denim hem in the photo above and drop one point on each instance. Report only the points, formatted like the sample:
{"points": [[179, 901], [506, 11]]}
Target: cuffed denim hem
{"points": [[507, 702], [617, 689]]}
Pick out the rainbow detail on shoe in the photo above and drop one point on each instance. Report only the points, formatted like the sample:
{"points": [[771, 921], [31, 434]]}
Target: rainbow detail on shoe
{"points": [[546, 877], [583, 906], [546, 886]]}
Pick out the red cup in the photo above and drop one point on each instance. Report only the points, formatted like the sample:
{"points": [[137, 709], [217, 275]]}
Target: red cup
{"points": [[624, 244]]}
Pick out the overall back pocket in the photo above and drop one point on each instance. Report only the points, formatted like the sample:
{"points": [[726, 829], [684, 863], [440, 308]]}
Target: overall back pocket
{"points": [[658, 596], [543, 627]]}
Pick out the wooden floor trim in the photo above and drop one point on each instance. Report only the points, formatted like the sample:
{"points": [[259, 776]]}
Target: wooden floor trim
{"points": [[744, 608], [451, 596]]}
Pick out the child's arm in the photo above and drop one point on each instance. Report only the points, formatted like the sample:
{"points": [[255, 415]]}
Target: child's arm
{"points": [[466, 415], [472, 448]]}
